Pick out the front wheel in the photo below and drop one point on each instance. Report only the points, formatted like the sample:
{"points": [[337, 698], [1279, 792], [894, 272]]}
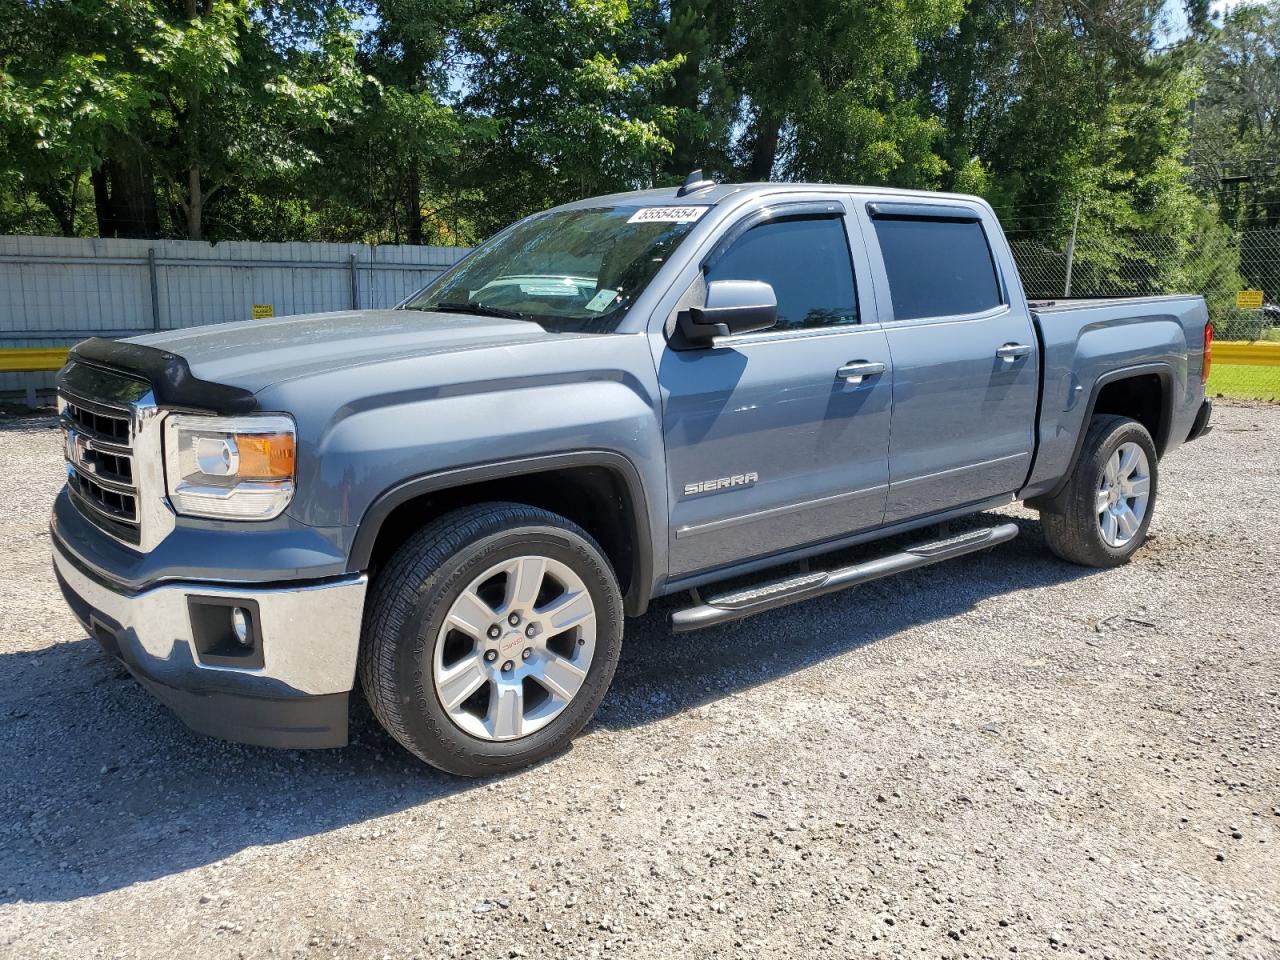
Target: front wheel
{"points": [[491, 637], [1102, 516]]}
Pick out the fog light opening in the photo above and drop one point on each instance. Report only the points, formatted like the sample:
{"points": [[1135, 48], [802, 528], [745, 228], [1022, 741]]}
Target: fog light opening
{"points": [[240, 626]]}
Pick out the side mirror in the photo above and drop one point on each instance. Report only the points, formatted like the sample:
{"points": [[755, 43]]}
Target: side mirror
{"points": [[733, 306]]}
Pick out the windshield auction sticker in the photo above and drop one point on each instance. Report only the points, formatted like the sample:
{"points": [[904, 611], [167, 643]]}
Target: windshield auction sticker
{"points": [[667, 214], [602, 300]]}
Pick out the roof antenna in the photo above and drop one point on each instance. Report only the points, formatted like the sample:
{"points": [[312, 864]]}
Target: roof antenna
{"points": [[693, 182]]}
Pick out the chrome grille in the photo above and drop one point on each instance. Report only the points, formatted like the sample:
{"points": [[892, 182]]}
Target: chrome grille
{"points": [[111, 428], [112, 446], [99, 453]]}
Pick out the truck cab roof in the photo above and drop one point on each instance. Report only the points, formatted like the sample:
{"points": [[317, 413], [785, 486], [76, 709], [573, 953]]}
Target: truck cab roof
{"points": [[718, 192]]}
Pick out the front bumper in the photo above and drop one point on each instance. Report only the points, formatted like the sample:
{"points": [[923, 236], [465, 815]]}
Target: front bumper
{"points": [[293, 686]]}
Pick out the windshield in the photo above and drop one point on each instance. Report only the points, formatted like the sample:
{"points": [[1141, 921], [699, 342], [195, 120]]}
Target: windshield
{"points": [[579, 269]]}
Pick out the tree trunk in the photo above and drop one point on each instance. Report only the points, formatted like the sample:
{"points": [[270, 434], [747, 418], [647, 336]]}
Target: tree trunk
{"points": [[685, 36], [194, 207], [195, 204], [59, 196], [764, 146], [413, 204], [124, 198]]}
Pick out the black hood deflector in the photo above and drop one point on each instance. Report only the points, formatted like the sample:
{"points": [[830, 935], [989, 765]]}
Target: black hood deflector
{"points": [[172, 382]]}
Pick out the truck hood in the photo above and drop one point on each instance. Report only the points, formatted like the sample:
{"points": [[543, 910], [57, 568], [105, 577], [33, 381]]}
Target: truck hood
{"points": [[254, 354]]}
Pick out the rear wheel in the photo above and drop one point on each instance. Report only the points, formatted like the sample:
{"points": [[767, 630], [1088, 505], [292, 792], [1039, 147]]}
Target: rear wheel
{"points": [[1102, 516], [491, 637]]}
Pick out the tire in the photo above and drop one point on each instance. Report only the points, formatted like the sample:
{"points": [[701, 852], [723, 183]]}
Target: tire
{"points": [[419, 638], [1076, 525]]}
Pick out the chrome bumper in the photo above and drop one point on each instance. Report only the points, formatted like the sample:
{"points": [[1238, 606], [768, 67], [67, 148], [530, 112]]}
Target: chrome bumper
{"points": [[291, 692]]}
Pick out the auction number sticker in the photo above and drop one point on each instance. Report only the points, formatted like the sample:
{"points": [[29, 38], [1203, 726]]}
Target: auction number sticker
{"points": [[667, 214], [602, 300]]}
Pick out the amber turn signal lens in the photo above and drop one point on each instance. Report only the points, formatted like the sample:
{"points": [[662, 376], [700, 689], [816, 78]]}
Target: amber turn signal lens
{"points": [[265, 456]]}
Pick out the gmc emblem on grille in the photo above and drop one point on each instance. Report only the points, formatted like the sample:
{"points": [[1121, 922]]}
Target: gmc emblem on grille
{"points": [[78, 452]]}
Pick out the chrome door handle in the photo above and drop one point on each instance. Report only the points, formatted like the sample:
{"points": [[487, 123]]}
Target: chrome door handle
{"points": [[1012, 351], [858, 370]]}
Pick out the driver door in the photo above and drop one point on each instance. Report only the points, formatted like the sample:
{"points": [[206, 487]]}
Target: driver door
{"points": [[772, 443]]}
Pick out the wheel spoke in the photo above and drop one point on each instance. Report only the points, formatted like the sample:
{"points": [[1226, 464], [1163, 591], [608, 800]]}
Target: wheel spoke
{"points": [[561, 677], [472, 614], [506, 712], [1109, 527], [524, 581], [1128, 522], [1129, 455], [568, 610], [1138, 487], [1112, 470], [1103, 501], [461, 680]]}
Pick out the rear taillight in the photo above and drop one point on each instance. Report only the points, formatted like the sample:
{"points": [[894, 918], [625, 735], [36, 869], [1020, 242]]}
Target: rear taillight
{"points": [[1208, 353]]}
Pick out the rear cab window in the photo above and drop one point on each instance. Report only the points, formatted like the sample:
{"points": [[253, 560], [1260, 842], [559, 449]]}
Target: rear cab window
{"points": [[937, 266]]}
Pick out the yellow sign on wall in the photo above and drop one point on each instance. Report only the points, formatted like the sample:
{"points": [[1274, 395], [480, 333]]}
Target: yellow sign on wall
{"points": [[261, 311], [1248, 299]]}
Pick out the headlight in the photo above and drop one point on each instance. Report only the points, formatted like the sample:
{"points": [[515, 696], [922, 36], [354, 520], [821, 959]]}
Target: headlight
{"points": [[230, 468]]}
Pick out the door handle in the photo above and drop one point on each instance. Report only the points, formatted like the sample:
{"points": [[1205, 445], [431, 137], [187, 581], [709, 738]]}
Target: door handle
{"points": [[1012, 351], [856, 371]]}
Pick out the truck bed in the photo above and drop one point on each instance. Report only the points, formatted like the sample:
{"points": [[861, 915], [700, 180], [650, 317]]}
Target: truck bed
{"points": [[1085, 341], [1059, 304]]}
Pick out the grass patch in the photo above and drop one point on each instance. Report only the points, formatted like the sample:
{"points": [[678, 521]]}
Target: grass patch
{"points": [[1244, 382]]}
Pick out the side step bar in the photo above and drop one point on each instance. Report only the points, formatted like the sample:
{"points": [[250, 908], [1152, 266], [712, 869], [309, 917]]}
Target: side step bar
{"points": [[737, 604]]}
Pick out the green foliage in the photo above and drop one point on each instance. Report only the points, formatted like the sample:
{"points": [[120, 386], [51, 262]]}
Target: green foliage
{"points": [[577, 113], [442, 120], [192, 93], [826, 80]]}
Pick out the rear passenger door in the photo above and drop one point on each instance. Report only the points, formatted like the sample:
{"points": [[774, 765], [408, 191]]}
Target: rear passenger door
{"points": [[965, 364]]}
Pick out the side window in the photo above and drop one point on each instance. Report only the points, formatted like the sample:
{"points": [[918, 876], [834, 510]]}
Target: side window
{"points": [[806, 262], [937, 268]]}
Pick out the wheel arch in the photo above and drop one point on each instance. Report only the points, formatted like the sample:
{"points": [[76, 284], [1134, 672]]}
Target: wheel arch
{"points": [[600, 490], [1143, 393]]}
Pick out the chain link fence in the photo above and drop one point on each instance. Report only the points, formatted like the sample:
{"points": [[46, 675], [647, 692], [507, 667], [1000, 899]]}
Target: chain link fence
{"points": [[1217, 265]]}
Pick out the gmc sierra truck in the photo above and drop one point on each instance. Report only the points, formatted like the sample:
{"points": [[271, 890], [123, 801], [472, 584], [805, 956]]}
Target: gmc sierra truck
{"points": [[456, 503]]}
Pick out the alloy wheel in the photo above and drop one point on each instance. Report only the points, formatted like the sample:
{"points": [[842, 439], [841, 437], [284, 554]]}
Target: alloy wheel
{"points": [[1123, 494], [515, 648]]}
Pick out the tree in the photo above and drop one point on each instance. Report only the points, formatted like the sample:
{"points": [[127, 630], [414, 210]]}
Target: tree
{"points": [[1236, 130], [187, 94], [572, 88], [695, 38], [826, 97], [62, 101]]}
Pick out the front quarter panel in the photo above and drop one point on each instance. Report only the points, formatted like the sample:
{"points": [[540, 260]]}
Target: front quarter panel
{"points": [[368, 429]]}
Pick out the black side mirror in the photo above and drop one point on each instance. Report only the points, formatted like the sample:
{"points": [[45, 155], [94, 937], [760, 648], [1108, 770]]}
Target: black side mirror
{"points": [[733, 306]]}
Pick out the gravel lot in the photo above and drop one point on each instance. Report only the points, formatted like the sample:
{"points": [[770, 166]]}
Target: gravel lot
{"points": [[1004, 756]]}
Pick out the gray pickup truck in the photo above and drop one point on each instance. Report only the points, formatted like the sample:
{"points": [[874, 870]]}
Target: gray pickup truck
{"points": [[706, 391]]}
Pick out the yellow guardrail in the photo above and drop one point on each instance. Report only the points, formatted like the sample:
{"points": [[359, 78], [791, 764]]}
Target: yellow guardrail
{"points": [[37, 359], [1243, 353], [32, 359]]}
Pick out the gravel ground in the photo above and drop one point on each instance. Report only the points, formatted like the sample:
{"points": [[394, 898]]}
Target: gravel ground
{"points": [[1003, 756]]}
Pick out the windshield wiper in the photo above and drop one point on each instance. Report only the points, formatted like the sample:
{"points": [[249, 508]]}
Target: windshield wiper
{"points": [[480, 310]]}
